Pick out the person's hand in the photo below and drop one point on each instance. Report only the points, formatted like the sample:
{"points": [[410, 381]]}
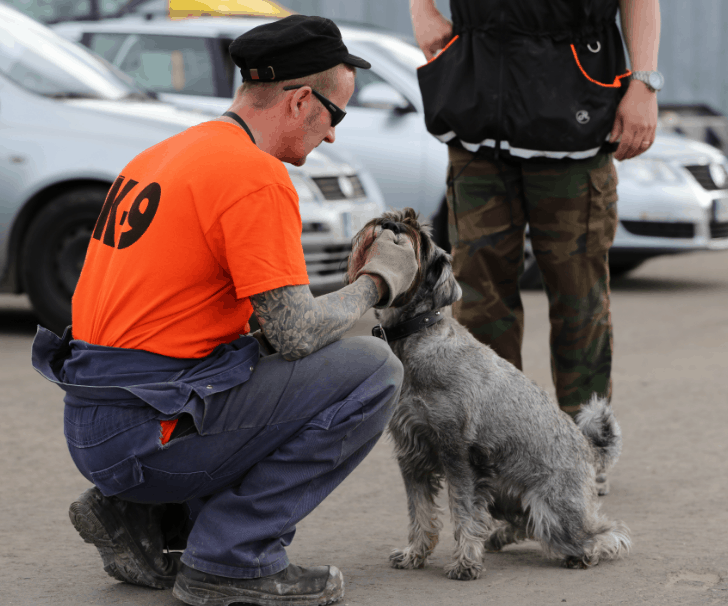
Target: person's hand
{"points": [[432, 31], [635, 122], [392, 258]]}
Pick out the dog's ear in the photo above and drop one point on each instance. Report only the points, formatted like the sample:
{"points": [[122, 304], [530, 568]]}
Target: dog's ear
{"points": [[441, 282]]}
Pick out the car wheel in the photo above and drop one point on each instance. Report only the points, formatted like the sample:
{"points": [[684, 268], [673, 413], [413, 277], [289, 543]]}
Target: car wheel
{"points": [[531, 278], [54, 250], [617, 270]]}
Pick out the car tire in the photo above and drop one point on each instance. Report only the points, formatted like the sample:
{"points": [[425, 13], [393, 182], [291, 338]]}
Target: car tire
{"points": [[54, 250], [533, 280], [618, 270]]}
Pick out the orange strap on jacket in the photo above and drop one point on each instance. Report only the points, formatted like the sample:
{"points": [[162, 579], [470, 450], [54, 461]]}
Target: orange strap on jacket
{"points": [[615, 84], [442, 51]]}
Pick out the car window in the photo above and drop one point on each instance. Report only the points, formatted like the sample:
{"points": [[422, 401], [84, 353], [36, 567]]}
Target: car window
{"points": [[363, 78], [106, 45], [166, 64]]}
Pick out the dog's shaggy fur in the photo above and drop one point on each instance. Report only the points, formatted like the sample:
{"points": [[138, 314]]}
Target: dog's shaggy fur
{"points": [[506, 451]]}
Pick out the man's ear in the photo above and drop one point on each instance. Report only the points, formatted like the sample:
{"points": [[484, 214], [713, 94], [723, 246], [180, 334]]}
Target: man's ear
{"points": [[298, 103]]}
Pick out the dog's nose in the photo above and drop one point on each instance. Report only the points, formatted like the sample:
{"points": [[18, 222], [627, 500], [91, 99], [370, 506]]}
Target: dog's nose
{"points": [[392, 226]]}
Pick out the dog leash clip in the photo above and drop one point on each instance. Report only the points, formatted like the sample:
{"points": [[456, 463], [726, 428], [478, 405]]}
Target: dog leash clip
{"points": [[378, 331]]}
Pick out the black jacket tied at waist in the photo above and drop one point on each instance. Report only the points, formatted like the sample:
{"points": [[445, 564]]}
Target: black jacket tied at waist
{"points": [[528, 78]]}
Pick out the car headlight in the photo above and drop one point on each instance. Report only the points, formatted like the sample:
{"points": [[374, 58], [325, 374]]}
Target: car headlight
{"points": [[305, 191], [647, 170]]}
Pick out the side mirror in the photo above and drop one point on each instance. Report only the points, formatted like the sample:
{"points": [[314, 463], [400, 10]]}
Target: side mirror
{"points": [[379, 95]]}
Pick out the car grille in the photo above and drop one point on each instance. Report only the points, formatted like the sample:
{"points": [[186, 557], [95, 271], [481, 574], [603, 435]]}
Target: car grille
{"points": [[331, 189], [718, 230], [701, 172], [660, 229], [326, 260]]}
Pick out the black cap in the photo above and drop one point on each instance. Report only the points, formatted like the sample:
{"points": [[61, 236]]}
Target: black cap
{"points": [[289, 48]]}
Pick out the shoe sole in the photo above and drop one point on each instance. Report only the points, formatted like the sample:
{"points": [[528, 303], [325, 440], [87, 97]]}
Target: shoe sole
{"points": [[197, 593], [122, 558]]}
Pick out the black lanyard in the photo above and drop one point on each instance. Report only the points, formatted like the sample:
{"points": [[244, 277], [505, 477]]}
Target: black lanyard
{"points": [[239, 120]]}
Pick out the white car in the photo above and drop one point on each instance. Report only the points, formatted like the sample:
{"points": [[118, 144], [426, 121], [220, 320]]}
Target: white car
{"points": [[671, 199], [69, 123]]}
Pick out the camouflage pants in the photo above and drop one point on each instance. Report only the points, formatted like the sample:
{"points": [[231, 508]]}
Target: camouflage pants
{"points": [[571, 211]]}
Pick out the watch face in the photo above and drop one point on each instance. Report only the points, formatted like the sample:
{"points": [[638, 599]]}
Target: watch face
{"points": [[656, 80]]}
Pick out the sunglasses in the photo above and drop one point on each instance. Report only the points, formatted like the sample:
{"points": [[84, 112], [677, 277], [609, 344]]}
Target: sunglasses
{"points": [[337, 114]]}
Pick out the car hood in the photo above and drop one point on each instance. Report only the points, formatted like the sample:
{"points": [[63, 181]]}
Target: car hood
{"points": [[325, 164], [157, 114], [676, 148], [151, 111]]}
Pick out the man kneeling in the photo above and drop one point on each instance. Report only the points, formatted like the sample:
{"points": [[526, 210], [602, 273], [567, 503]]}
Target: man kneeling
{"points": [[197, 438]]}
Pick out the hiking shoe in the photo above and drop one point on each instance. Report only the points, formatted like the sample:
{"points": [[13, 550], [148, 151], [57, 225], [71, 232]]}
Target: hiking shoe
{"points": [[602, 484], [128, 537], [293, 586]]}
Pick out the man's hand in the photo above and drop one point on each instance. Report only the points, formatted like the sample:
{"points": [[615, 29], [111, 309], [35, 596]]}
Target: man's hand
{"points": [[432, 30], [636, 118], [635, 122], [392, 258]]}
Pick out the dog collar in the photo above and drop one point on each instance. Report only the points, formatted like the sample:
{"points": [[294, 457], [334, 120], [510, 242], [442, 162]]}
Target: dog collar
{"points": [[408, 327]]}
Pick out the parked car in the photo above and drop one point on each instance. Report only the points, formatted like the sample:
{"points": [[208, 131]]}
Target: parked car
{"points": [[69, 122], [671, 199], [186, 62]]}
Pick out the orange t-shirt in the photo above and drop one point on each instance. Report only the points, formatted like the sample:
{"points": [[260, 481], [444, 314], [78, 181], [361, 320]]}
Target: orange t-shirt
{"points": [[189, 231]]}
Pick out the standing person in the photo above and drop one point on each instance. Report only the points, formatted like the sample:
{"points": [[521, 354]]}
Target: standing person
{"points": [[165, 402], [532, 99]]}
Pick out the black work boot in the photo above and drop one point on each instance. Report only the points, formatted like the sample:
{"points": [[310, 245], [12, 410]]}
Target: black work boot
{"points": [[128, 537], [293, 586]]}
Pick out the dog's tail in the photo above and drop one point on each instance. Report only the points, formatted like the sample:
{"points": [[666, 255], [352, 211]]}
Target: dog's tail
{"points": [[596, 421]]}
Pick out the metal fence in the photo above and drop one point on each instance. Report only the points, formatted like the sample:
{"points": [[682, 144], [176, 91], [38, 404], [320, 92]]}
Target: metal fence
{"points": [[693, 47], [693, 52]]}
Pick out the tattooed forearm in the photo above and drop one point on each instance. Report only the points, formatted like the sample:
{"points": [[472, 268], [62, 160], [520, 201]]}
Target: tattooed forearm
{"points": [[296, 324]]}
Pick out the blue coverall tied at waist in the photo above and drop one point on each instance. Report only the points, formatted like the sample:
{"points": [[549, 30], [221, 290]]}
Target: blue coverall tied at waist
{"points": [[272, 438]]}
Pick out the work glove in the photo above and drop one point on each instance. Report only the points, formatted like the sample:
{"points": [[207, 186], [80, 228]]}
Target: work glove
{"points": [[392, 258]]}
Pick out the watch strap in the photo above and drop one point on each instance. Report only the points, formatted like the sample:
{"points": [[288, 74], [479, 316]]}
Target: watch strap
{"points": [[644, 76]]}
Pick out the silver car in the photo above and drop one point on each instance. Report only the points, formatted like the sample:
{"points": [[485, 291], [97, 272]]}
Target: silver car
{"points": [[69, 122], [671, 199]]}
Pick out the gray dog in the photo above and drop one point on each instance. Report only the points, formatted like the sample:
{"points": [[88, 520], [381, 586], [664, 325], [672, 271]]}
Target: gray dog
{"points": [[470, 418]]}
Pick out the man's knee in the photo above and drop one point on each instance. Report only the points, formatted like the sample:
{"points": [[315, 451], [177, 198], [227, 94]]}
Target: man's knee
{"points": [[379, 376], [370, 356]]}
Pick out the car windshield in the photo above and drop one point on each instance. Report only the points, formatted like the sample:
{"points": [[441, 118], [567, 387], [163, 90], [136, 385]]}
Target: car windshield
{"points": [[36, 58], [406, 55]]}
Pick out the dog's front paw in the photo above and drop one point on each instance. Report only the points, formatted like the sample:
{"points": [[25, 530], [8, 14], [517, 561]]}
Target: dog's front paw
{"points": [[579, 563], [494, 543], [459, 571], [407, 558]]}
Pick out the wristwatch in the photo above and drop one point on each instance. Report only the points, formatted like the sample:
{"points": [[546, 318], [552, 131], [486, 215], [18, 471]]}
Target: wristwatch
{"points": [[654, 80]]}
